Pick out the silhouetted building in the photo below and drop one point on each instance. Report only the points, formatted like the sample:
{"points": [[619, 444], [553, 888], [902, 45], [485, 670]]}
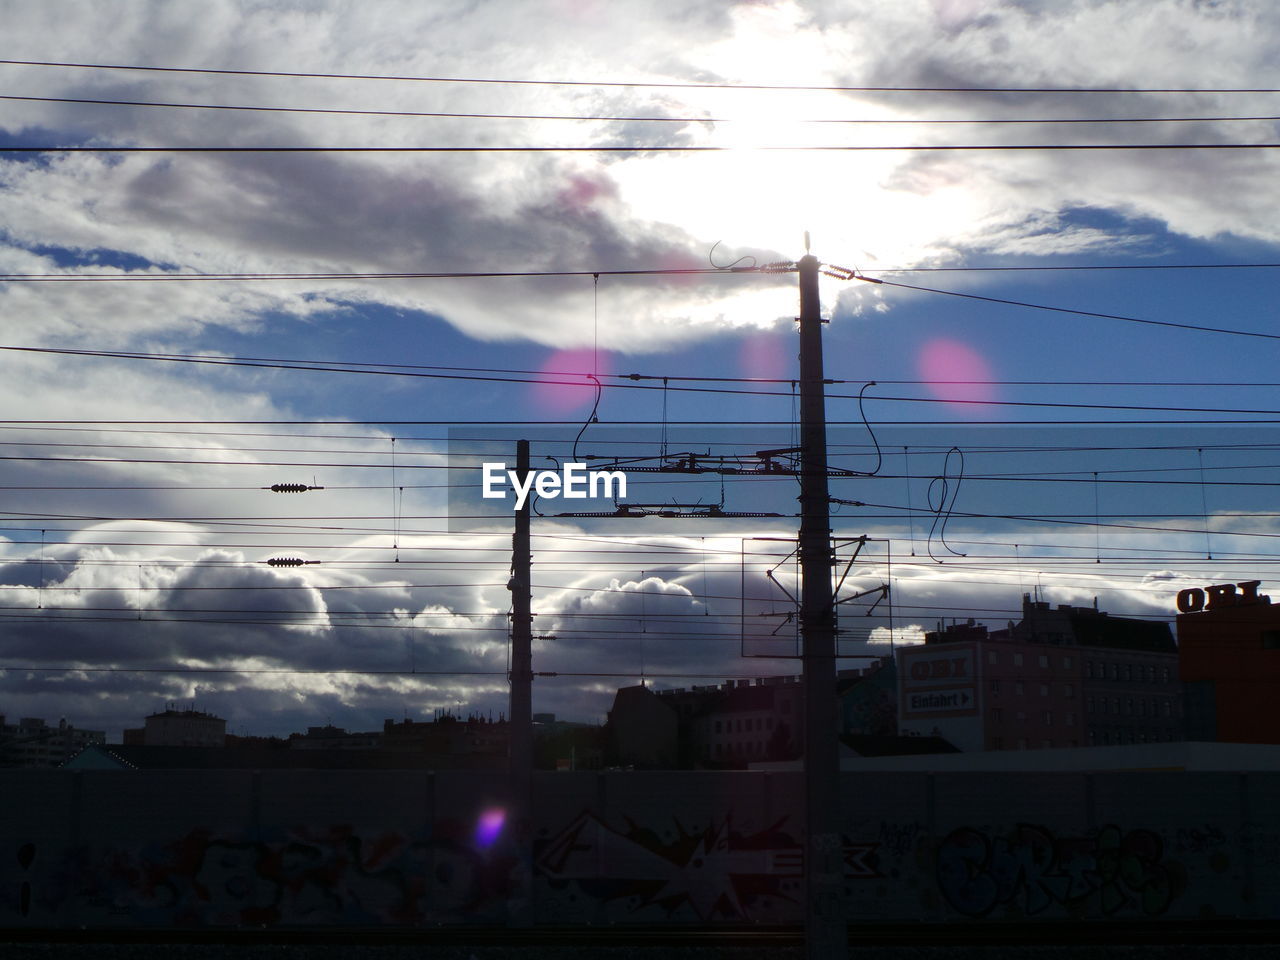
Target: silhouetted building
{"points": [[330, 737], [1229, 661], [739, 722], [447, 735], [33, 743], [1063, 677], [869, 700], [643, 730], [172, 727]]}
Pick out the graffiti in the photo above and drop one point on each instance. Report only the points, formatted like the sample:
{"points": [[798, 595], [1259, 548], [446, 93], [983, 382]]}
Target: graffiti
{"points": [[306, 876], [1029, 870], [1200, 839], [714, 873], [899, 838]]}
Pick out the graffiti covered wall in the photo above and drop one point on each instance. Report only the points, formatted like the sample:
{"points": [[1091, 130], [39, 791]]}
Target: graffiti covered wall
{"points": [[413, 848]]}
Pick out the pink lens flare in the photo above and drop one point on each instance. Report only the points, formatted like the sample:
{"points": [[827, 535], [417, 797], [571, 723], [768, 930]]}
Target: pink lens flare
{"points": [[766, 356], [489, 826], [565, 383], [955, 372]]}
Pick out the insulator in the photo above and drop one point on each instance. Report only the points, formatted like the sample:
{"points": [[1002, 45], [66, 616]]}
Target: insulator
{"points": [[292, 488], [287, 562]]}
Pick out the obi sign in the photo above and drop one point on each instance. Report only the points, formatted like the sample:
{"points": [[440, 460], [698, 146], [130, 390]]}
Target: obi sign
{"points": [[1219, 596]]}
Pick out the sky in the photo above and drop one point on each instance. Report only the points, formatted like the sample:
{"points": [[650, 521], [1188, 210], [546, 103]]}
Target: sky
{"points": [[1109, 447]]}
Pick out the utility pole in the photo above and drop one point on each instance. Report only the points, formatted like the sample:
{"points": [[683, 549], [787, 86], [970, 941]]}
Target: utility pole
{"points": [[826, 935], [520, 719]]}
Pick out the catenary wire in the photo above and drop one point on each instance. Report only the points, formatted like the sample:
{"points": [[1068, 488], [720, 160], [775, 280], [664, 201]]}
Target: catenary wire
{"points": [[702, 85]]}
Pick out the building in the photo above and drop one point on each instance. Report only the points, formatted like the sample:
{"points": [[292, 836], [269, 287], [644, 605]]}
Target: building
{"points": [[33, 743], [1229, 660], [869, 700], [1062, 677], [447, 735], [643, 730], [172, 727], [743, 721], [330, 737]]}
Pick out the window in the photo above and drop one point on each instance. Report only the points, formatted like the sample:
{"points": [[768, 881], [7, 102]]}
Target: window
{"points": [[997, 714], [1071, 720], [995, 686], [1128, 707], [1044, 660], [1128, 671], [717, 726], [1022, 717], [1048, 718], [1044, 689], [1022, 743], [993, 657], [1066, 663], [1115, 706], [1089, 704], [1165, 675], [1046, 744], [1017, 688], [1088, 669], [1068, 690], [997, 743], [1017, 659], [768, 723]]}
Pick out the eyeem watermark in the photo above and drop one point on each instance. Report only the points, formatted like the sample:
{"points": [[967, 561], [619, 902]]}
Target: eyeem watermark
{"points": [[573, 482]]}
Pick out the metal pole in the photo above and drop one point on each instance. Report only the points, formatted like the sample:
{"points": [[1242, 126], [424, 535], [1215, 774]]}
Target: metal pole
{"points": [[520, 721], [825, 932]]}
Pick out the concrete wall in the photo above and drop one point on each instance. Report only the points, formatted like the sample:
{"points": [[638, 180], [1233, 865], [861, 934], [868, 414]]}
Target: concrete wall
{"points": [[413, 848]]}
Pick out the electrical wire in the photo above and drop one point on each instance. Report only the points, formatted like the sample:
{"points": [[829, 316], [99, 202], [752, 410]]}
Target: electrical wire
{"points": [[331, 367], [632, 83], [1081, 313], [610, 118], [642, 148]]}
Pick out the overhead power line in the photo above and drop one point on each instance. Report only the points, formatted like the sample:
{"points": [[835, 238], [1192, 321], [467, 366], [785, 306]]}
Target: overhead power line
{"points": [[770, 269], [614, 118], [644, 84], [652, 148], [1080, 313], [585, 380], [766, 270]]}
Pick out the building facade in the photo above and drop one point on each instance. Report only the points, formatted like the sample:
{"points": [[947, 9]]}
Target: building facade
{"points": [[172, 727], [1062, 677], [31, 742], [1229, 652]]}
